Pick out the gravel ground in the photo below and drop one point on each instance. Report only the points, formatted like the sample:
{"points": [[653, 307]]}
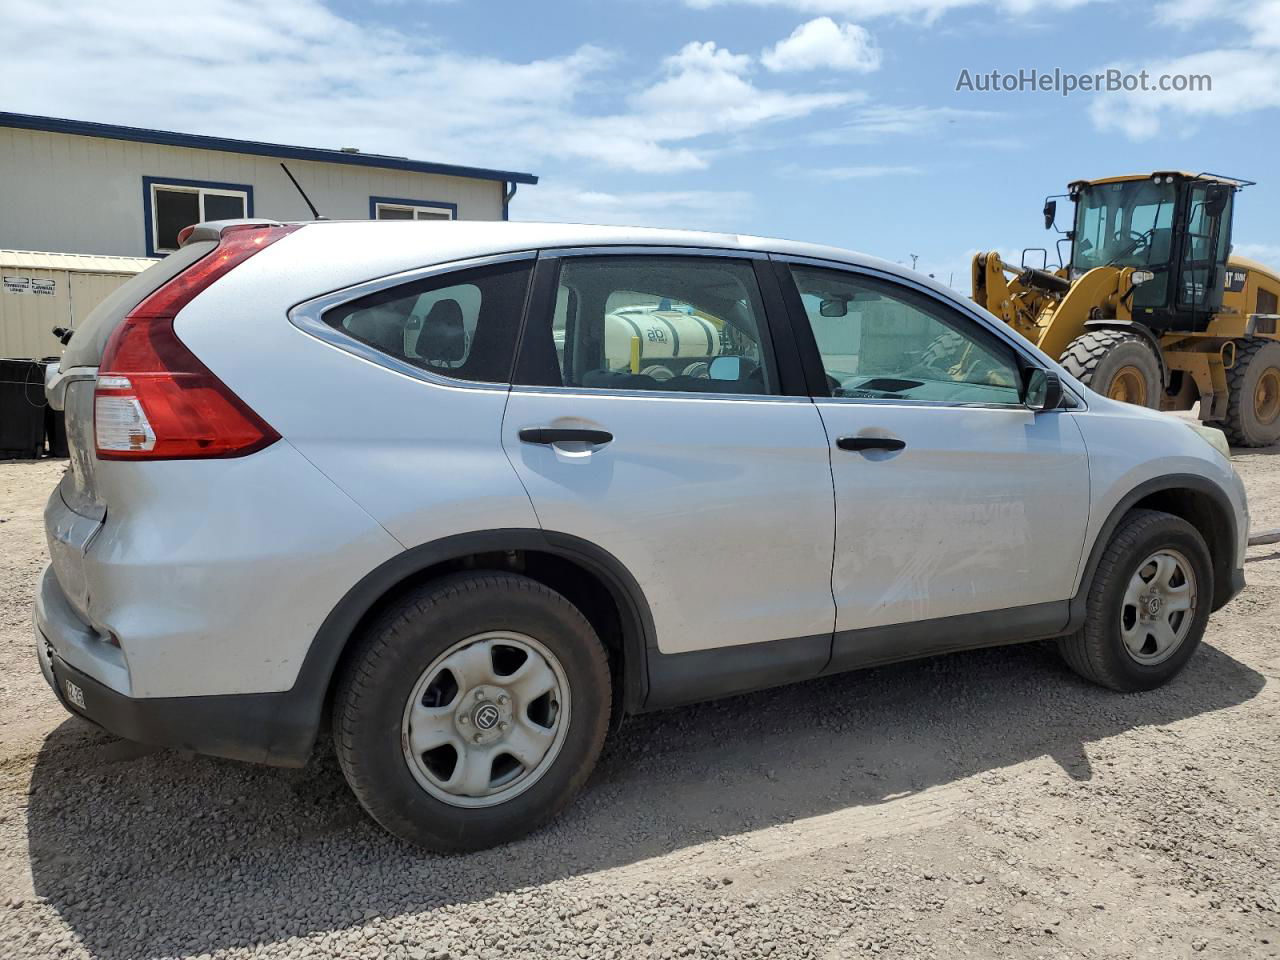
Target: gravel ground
{"points": [[986, 804]]}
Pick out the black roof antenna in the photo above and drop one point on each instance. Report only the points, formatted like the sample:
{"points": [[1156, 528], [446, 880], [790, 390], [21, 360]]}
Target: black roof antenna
{"points": [[307, 200]]}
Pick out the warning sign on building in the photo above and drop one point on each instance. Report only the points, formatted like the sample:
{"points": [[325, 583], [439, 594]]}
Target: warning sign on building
{"points": [[38, 286]]}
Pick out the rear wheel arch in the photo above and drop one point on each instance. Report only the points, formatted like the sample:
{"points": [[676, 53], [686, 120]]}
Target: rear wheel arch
{"points": [[589, 577], [1199, 501]]}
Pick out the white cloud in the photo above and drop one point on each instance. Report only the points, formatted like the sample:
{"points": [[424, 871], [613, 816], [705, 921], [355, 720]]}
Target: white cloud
{"points": [[926, 11], [293, 71], [724, 210], [879, 121], [1243, 81], [706, 91], [855, 172], [824, 44], [1260, 18], [1244, 78], [1263, 252]]}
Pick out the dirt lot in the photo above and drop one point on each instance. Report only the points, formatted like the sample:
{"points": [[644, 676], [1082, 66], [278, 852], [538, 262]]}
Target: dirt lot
{"points": [[985, 805]]}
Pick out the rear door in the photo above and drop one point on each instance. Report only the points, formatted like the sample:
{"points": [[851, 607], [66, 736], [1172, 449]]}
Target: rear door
{"points": [[654, 415], [953, 500]]}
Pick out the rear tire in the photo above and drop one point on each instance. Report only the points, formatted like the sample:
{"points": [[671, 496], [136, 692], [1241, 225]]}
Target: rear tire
{"points": [[1116, 364], [1119, 646], [448, 658], [1253, 397]]}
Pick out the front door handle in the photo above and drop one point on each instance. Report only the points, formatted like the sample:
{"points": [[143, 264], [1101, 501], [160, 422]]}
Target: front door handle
{"points": [[548, 435], [870, 443]]}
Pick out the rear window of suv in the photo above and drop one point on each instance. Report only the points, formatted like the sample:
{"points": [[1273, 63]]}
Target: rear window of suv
{"points": [[462, 324]]}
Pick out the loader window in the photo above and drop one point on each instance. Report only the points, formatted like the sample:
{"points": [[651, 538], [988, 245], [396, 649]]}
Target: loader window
{"points": [[1204, 250], [879, 341], [1127, 224]]}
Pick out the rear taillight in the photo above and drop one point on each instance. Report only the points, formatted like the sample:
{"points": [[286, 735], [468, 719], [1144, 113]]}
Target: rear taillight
{"points": [[154, 399]]}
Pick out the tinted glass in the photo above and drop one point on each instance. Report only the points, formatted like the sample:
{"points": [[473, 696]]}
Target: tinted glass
{"points": [[219, 206], [1205, 250], [1128, 223], [881, 341], [175, 209], [692, 324], [461, 324], [394, 213]]}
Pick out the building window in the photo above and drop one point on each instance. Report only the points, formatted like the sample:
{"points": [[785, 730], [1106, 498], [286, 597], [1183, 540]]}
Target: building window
{"points": [[391, 208], [174, 204]]}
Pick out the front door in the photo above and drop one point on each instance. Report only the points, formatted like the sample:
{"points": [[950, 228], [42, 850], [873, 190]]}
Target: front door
{"points": [[953, 500], [648, 418]]}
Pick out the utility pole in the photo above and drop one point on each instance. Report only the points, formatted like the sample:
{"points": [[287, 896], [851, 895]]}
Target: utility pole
{"points": [[914, 257]]}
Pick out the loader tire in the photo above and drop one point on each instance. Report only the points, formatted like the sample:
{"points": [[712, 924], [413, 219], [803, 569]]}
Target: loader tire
{"points": [[1253, 394], [1116, 364]]}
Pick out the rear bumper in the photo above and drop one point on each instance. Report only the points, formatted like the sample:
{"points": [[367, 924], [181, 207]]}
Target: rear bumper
{"points": [[274, 728]]}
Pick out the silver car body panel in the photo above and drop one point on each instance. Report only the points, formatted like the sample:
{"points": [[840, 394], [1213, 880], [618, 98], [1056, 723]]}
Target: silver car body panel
{"points": [[216, 575], [718, 570]]}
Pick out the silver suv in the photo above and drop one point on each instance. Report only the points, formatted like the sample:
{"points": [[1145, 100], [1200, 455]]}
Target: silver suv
{"points": [[471, 492]]}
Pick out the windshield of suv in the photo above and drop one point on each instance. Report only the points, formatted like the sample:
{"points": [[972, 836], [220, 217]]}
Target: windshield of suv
{"points": [[1128, 224]]}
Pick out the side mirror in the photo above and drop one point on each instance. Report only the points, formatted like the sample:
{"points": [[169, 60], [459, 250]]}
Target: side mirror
{"points": [[725, 369], [1044, 391], [834, 308], [1050, 213], [1216, 200]]}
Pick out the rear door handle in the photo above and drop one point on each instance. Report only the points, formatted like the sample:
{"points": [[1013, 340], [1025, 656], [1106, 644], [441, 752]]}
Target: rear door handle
{"points": [[870, 443], [548, 435]]}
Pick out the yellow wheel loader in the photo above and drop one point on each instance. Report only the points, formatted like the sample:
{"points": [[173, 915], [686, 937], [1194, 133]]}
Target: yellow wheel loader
{"points": [[1149, 306]]}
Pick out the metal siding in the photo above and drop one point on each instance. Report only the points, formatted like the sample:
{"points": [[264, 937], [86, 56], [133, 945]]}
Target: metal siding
{"points": [[77, 262], [26, 319], [257, 148], [84, 194], [87, 291], [80, 284]]}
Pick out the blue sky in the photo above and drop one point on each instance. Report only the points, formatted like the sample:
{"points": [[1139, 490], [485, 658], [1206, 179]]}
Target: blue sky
{"points": [[829, 120]]}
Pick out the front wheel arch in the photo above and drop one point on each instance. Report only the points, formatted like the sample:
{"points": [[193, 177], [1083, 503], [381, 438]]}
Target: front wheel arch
{"points": [[1196, 499]]}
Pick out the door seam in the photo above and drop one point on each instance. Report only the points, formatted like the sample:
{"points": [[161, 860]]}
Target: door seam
{"points": [[835, 534], [502, 443]]}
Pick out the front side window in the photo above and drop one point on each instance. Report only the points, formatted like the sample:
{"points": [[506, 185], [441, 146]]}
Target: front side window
{"points": [[461, 324], [884, 342], [672, 323], [178, 205], [407, 210]]}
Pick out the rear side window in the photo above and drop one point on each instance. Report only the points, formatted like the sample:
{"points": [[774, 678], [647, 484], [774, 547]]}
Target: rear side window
{"points": [[461, 324], [653, 322]]}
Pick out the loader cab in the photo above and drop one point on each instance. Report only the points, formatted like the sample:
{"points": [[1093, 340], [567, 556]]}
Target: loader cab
{"points": [[1173, 228]]}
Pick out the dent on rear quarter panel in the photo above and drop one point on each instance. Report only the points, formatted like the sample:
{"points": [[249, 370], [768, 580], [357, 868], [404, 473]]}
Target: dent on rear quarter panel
{"points": [[424, 460], [216, 574]]}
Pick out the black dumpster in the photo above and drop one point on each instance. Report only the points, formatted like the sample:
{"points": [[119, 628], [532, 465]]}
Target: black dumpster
{"points": [[22, 407]]}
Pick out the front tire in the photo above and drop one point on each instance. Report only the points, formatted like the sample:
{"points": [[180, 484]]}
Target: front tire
{"points": [[1118, 365], [472, 711], [1147, 607]]}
